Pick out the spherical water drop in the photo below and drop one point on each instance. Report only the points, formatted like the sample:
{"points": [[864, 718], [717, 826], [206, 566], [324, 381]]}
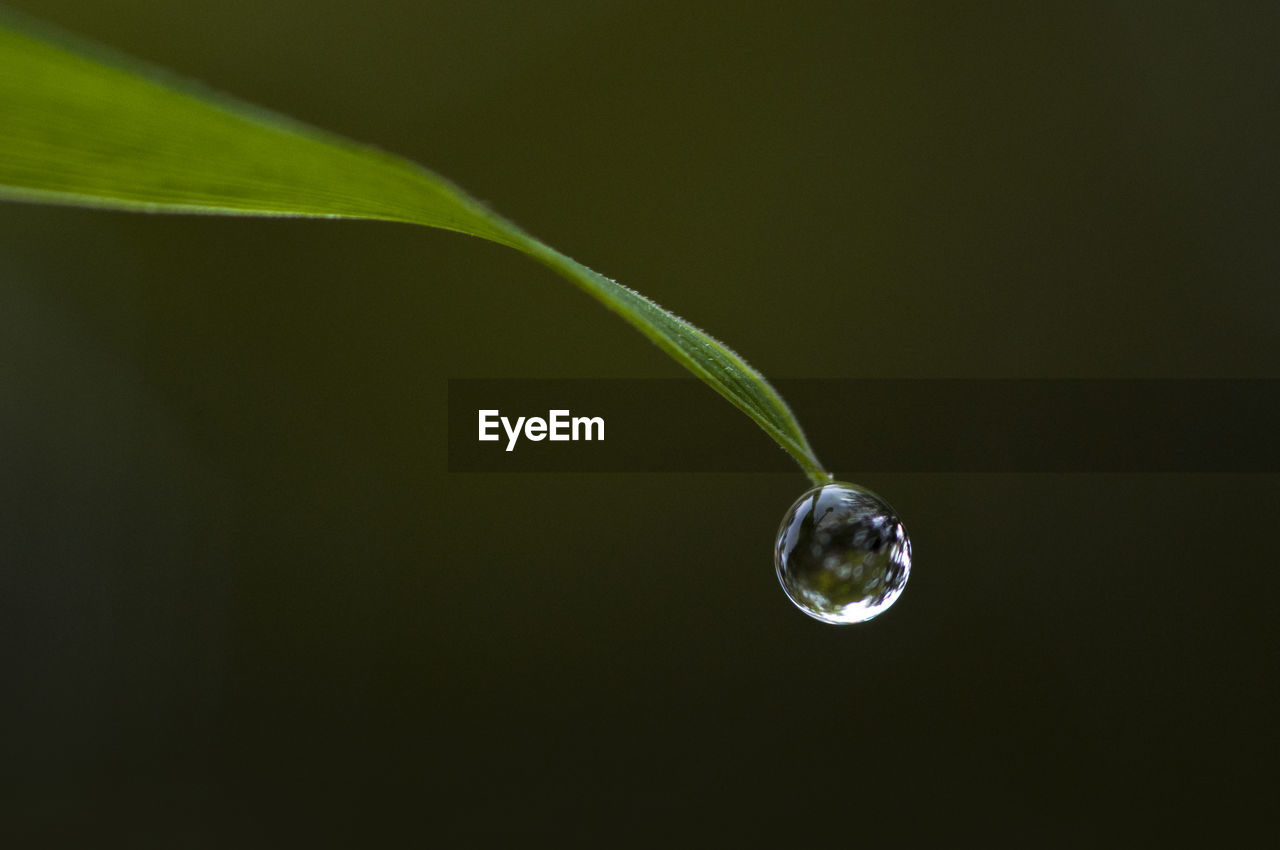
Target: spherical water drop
{"points": [[843, 556]]}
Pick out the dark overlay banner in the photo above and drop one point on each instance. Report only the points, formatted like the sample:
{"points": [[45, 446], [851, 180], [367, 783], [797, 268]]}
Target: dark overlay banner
{"points": [[888, 425]]}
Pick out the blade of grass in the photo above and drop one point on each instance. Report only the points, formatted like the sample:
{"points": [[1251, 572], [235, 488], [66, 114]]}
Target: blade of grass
{"points": [[82, 126]]}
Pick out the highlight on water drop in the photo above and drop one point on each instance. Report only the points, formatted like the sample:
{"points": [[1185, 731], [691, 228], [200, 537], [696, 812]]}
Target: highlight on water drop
{"points": [[842, 554]]}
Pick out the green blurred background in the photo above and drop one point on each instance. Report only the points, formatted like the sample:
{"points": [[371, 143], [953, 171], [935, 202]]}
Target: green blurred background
{"points": [[243, 604]]}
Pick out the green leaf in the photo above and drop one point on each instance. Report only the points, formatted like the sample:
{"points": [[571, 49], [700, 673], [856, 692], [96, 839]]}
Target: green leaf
{"points": [[80, 125]]}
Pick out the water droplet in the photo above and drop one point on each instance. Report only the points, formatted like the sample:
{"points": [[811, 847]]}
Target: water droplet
{"points": [[843, 556]]}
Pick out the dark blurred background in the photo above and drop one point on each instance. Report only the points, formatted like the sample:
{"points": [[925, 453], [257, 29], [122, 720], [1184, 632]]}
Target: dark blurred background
{"points": [[243, 604]]}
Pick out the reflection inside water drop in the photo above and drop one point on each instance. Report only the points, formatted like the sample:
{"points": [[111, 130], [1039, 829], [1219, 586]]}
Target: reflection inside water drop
{"points": [[842, 554]]}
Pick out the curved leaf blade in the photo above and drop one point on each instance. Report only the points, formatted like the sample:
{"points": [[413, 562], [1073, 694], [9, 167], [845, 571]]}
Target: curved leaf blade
{"points": [[83, 127]]}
